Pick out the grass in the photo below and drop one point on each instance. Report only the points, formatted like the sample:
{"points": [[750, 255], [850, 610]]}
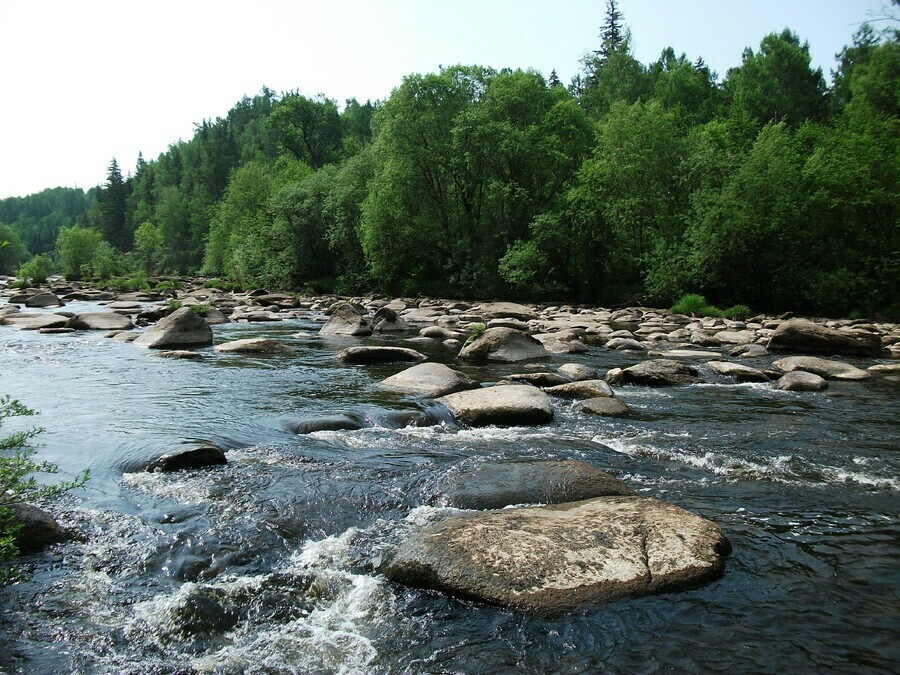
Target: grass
{"points": [[693, 304]]}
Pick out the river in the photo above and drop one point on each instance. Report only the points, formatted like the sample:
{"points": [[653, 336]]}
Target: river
{"points": [[288, 537]]}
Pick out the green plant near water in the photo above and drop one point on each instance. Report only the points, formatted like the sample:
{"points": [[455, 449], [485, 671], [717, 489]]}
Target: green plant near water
{"points": [[690, 304], [18, 483], [736, 312], [477, 331], [693, 304], [199, 310], [36, 270], [130, 284]]}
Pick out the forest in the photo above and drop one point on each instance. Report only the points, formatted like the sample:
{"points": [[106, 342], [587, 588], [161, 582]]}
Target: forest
{"points": [[633, 183]]}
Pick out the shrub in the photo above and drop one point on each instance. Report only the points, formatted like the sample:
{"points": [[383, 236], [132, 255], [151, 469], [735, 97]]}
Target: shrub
{"points": [[710, 310], [136, 282], [477, 331], [690, 304], [736, 312], [36, 270], [200, 310], [18, 483], [172, 305]]}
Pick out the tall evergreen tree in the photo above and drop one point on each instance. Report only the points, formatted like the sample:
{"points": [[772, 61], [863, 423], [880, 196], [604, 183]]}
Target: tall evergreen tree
{"points": [[612, 35], [554, 79], [109, 212]]}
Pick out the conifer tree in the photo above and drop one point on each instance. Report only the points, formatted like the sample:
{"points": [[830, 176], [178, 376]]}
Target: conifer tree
{"points": [[612, 35], [554, 79]]}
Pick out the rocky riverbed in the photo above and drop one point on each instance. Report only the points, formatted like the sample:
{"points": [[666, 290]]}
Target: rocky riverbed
{"points": [[597, 455]]}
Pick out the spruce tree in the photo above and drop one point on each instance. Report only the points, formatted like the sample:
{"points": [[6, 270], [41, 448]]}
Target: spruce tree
{"points": [[612, 36], [554, 79]]}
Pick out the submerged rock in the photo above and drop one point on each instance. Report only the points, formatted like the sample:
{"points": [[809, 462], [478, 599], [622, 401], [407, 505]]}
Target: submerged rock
{"points": [[505, 405], [39, 529], [800, 335], [493, 486], [504, 344], [253, 346], [182, 328], [830, 370], [330, 423], [430, 380], [196, 458], [654, 373], [554, 559], [378, 354]]}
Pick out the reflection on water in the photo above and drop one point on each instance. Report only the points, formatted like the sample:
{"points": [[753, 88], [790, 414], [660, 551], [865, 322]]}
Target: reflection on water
{"points": [[270, 563]]}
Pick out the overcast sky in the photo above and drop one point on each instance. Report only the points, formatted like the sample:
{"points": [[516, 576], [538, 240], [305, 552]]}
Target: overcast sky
{"points": [[86, 81]]}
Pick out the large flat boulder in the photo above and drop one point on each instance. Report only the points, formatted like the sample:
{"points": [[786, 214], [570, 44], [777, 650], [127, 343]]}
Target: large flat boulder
{"points": [[504, 344], [582, 389], [99, 321], [345, 320], [430, 380], [493, 486], [806, 337], [738, 371], [505, 310], [253, 346], [554, 559], [605, 406], [505, 405], [654, 373], [799, 380], [830, 370], [43, 300], [29, 321], [378, 354], [182, 328]]}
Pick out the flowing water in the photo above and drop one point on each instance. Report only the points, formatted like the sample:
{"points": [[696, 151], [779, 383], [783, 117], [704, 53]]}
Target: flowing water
{"points": [[270, 563]]}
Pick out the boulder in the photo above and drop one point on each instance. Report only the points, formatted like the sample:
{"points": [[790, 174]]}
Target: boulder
{"points": [[505, 310], [654, 373], [504, 344], [179, 354], [738, 371], [439, 333], [538, 379], [99, 321], [400, 419], [748, 351], [253, 346], [605, 407], [560, 558], [196, 458], [505, 405], [182, 328], [555, 344], [581, 389], [345, 320], [330, 423], [800, 335], [626, 344], [386, 319], [27, 321], [38, 531], [578, 371], [493, 486], [735, 337], [43, 300], [430, 380], [799, 380], [378, 354], [830, 370]]}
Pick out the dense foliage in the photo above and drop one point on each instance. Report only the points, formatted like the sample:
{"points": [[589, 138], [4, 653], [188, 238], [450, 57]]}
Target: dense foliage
{"points": [[769, 188]]}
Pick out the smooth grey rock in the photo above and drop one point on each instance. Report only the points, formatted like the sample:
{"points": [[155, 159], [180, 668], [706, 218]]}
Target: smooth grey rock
{"points": [[39, 529], [748, 351], [430, 380], [27, 321], [830, 370], [505, 405], [493, 486], [504, 344], [799, 380], [330, 423], [386, 319], [345, 320], [440, 333], [581, 389], [578, 372], [253, 346], [539, 379], [378, 354], [554, 559], [605, 407], [554, 344], [99, 321], [182, 328], [43, 300], [196, 458], [735, 337], [800, 335], [738, 371], [654, 373], [626, 344], [505, 310]]}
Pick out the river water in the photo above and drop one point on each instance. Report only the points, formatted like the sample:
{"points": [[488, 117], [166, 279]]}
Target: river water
{"points": [[270, 564]]}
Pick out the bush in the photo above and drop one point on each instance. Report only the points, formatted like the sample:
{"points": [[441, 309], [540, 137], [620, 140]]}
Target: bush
{"points": [[172, 305], [477, 331], [736, 312], [130, 284], [12, 250], [18, 483], [77, 248], [710, 310], [690, 304], [36, 270]]}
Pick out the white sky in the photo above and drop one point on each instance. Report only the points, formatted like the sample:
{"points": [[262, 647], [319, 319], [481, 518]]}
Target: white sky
{"points": [[84, 81]]}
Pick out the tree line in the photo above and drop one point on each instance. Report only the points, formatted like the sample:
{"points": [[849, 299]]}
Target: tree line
{"points": [[635, 182]]}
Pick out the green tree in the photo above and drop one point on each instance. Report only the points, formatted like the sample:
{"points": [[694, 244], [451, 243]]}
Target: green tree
{"points": [[36, 270], [777, 83], [108, 214], [77, 248], [148, 248], [18, 484], [309, 128], [12, 251]]}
